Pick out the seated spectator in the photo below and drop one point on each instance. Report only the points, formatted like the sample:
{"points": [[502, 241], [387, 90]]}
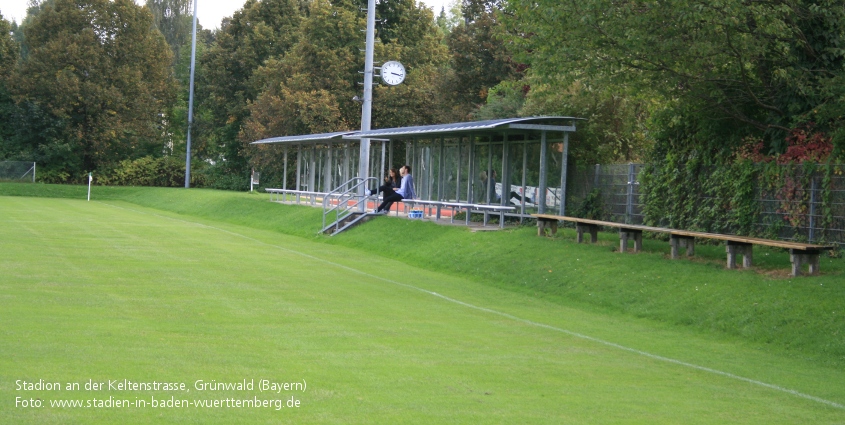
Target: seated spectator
{"points": [[391, 182], [405, 190]]}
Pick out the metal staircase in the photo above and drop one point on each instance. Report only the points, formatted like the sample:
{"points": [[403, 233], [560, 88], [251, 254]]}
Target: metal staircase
{"points": [[345, 206]]}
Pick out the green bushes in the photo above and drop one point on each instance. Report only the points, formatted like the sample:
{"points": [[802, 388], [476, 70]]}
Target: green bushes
{"points": [[147, 171], [767, 199], [168, 171], [592, 207]]}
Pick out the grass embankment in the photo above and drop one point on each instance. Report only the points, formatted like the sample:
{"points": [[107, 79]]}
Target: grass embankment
{"points": [[803, 317]]}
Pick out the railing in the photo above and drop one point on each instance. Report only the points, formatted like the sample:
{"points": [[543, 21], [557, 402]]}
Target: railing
{"points": [[338, 199], [281, 195]]}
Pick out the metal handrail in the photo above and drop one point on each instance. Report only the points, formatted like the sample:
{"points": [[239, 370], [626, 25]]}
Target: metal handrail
{"points": [[342, 200]]}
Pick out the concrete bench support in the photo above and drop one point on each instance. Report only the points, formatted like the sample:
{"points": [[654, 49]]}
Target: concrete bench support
{"points": [[800, 257], [593, 230], [738, 248], [678, 242], [544, 224], [630, 234]]}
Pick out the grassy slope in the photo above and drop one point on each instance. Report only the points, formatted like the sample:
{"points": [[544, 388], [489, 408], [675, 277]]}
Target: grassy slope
{"points": [[112, 290], [804, 317]]}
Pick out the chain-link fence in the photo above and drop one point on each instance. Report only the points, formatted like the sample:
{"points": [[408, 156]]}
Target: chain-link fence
{"points": [[17, 171], [619, 188], [791, 204], [805, 206]]}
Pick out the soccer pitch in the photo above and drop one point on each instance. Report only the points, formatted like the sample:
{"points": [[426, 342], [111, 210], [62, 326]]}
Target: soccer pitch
{"points": [[114, 313]]}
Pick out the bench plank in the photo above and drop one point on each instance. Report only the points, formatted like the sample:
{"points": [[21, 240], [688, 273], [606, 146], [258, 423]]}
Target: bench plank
{"points": [[800, 253]]}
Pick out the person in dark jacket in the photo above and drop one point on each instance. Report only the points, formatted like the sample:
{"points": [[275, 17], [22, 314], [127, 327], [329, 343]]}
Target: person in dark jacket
{"points": [[405, 190], [391, 182]]}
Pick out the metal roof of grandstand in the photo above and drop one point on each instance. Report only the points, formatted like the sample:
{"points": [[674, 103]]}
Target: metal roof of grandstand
{"points": [[306, 138], [530, 123]]}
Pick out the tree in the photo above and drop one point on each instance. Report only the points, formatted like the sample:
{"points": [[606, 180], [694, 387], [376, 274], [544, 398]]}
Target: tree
{"points": [[174, 19], [226, 86], [725, 69], [407, 32], [479, 58], [448, 19], [94, 87], [310, 89], [9, 53]]}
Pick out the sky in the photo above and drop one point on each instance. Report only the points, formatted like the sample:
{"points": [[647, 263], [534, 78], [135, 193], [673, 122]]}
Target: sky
{"points": [[209, 13]]}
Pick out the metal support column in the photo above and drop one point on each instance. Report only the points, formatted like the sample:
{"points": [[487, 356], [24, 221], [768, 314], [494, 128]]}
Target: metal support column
{"points": [[563, 170], [285, 174], [190, 100], [383, 152], [416, 159], [471, 166], [596, 177], [346, 163], [524, 175], [430, 172], [506, 171], [543, 185], [312, 169], [458, 174], [299, 166], [329, 170], [440, 174], [390, 163], [488, 189], [367, 105]]}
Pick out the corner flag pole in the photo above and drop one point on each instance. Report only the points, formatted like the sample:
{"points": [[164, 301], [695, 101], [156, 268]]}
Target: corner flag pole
{"points": [[90, 179]]}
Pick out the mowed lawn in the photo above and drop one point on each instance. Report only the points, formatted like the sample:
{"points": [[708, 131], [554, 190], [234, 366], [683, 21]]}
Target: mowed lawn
{"points": [[109, 291]]}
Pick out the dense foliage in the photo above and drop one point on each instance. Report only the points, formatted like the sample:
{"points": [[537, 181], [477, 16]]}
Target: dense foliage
{"points": [[689, 188], [719, 71], [651, 77], [93, 88]]}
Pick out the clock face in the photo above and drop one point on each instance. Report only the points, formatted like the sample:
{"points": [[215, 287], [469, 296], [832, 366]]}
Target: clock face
{"points": [[392, 73]]}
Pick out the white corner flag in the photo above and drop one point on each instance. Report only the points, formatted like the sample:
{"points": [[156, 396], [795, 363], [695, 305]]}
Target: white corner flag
{"points": [[90, 179]]}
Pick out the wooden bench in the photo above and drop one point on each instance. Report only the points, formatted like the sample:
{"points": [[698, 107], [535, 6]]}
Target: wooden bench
{"points": [[800, 253]]}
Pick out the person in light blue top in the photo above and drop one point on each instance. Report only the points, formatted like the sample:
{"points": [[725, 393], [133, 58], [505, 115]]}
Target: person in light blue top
{"points": [[405, 190]]}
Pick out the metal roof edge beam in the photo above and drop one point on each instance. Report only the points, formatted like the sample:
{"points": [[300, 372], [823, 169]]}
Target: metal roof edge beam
{"points": [[541, 127], [358, 137]]}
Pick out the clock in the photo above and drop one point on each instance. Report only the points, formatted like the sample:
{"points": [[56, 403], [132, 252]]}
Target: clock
{"points": [[392, 73]]}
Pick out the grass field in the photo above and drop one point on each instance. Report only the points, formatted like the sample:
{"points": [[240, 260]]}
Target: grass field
{"points": [[112, 290]]}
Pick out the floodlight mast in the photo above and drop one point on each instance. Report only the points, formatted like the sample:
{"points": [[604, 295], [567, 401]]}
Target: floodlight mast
{"points": [[367, 105], [191, 101]]}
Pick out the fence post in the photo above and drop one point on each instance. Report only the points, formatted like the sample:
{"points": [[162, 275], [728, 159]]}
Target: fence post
{"points": [[629, 205], [596, 177], [812, 208]]}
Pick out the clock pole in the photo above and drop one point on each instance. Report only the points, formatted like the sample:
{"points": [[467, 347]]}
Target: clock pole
{"points": [[367, 106]]}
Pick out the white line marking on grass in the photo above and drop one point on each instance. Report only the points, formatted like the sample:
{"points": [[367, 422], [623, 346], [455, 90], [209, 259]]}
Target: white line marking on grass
{"points": [[512, 317]]}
